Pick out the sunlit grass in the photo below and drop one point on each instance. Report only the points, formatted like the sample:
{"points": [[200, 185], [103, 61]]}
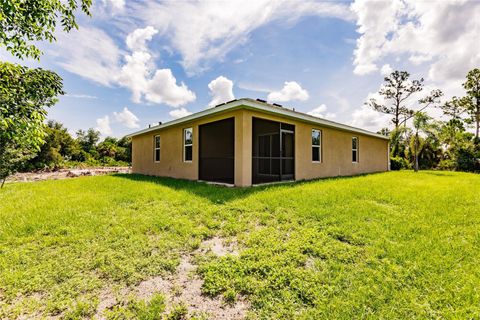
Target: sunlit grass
{"points": [[391, 245]]}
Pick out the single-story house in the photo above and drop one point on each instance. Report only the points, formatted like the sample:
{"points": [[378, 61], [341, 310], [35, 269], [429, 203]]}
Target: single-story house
{"points": [[245, 142]]}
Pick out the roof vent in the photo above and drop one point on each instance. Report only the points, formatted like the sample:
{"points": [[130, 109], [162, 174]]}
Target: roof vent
{"points": [[159, 123], [260, 100], [277, 104], [149, 125]]}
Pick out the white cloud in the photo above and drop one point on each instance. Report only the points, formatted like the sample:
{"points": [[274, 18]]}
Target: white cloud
{"points": [[205, 31], [80, 96], [98, 59], [290, 91], [127, 118], [369, 119], [320, 112], [386, 70], [179, 113], [103, 125], [221, 90], [440, 34], [115, 5], [90, 53], [136, 41], [134, 74], [375, 20], [163, 88]]}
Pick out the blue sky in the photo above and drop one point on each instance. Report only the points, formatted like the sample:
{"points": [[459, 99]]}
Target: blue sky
{"points": [[135, 63]]}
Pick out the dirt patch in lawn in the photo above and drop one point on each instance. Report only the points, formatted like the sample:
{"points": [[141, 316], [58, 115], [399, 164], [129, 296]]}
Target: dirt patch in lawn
{"points": [[184, 287], [65, 174]]}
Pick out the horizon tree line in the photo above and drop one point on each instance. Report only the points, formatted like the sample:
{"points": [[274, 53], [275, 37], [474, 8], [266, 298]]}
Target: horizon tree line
{"points": [[431, 143]]}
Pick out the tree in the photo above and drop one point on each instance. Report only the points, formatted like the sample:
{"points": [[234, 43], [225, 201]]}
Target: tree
{"points": [[472, 100], [396, 90], [23, 22], [24, 96], [125, 149], [420, 123], [454, 108], [58, 147], [88, 139], [108, 147]]}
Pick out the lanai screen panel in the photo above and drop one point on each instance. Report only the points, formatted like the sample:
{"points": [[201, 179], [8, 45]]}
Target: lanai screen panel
{"points": [[272, 151], [217, 151]]}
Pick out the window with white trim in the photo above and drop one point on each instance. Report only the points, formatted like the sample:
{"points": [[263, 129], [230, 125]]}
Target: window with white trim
{"points": [[355, 149], [316, 145], [156, 148], [187, 144]]}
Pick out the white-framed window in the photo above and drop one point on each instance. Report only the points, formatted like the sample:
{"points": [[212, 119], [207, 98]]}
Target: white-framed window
{"points": [[354, 149], [156, 148], [316, 145], [187, 144]]}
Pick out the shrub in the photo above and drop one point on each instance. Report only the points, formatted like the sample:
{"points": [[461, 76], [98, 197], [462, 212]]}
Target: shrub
{"points": [[397, 163], [447, 164]]}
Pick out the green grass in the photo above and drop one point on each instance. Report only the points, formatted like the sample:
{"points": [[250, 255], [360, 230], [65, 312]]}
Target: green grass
{"points": [[391, 245]]}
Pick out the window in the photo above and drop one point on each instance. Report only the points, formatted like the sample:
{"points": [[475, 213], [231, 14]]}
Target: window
{"points": [[354, 149], [316, 145], [156, 148], [187, 144]]}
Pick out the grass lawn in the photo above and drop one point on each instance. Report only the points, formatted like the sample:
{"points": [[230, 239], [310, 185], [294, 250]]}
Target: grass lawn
{"points": [[390, 245]]}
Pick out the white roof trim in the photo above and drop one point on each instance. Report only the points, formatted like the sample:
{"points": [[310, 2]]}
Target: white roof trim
{"points": [[260, 106]]}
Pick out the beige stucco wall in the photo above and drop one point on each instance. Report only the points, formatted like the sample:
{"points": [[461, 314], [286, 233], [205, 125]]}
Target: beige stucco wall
{"points": [[171, 149], [336, 150]]}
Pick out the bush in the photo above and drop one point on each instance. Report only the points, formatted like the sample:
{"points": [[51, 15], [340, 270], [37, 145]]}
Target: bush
{"points": [[466, 160], [397, 163], [447, 164]]}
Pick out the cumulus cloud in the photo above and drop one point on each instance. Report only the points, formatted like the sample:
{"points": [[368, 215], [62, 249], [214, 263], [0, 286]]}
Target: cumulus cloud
{"points": [[441, 37], [290, 91], [321, 112], [221, 90], [179, 113], [100, 60], [127, 118], [136, 41], [103, 125], [163, 88], [205, 31], [134, 74]]}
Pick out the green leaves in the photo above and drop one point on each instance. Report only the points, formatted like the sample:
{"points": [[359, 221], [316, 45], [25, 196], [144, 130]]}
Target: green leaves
{"points": [[26, 21], [24, 96]]}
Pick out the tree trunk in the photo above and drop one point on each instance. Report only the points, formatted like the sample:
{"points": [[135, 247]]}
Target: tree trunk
{"points": [[3, 182], [415, 167], [477, 119]]}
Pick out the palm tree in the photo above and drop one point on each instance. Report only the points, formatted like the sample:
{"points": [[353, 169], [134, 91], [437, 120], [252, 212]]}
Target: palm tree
{"points": [[420, 124]]}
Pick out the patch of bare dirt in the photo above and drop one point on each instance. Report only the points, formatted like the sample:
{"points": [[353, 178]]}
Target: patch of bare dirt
{"points": [[65, 174], [184, 287], [219, 247]]}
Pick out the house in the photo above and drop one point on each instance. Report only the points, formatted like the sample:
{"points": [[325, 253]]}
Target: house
{"points": [[245, 141]]}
